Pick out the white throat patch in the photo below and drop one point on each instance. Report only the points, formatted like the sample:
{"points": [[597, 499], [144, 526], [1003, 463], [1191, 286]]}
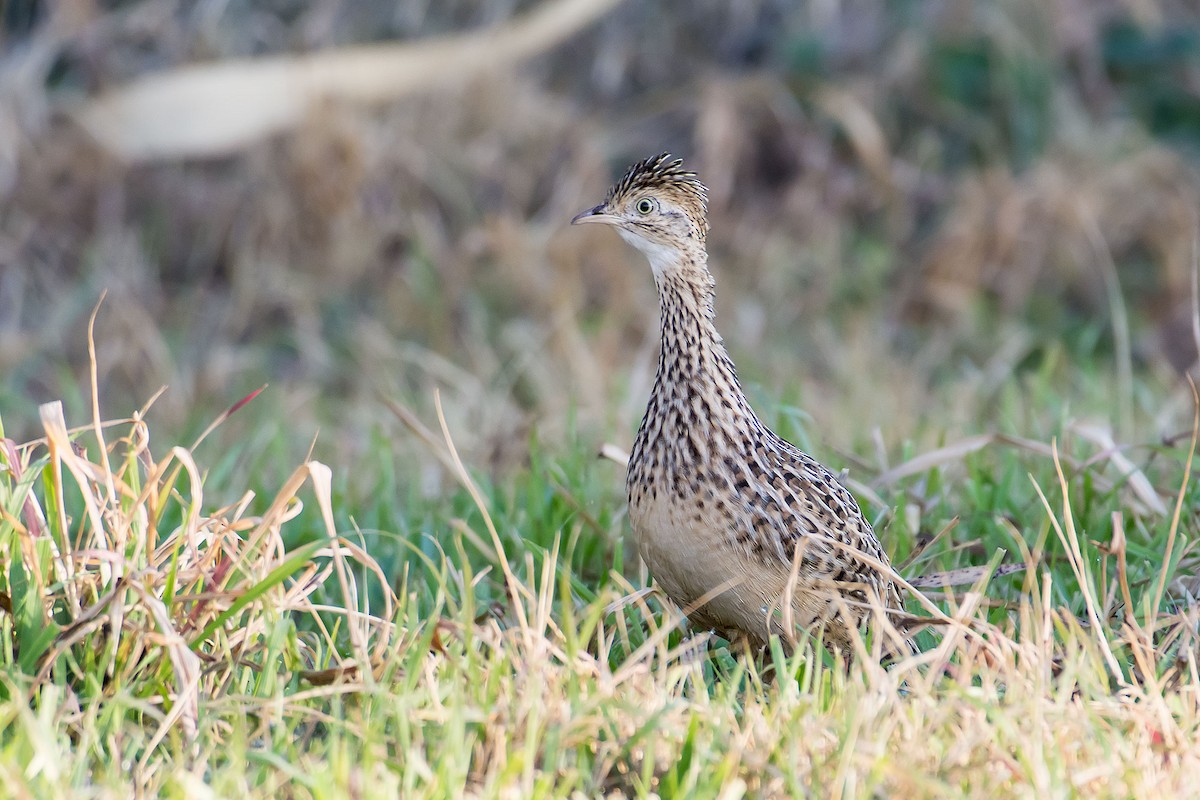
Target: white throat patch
{"points": [[662, 258]]}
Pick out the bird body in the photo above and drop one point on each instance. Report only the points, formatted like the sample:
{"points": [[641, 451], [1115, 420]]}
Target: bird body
{"points": [[749, 535]]}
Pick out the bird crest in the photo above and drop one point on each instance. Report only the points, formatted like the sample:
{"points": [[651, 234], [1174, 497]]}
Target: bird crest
{"points": [[664, 175]]}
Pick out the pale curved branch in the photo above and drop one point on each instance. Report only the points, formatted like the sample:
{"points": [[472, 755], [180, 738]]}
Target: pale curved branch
{"points": [[213, 109]]}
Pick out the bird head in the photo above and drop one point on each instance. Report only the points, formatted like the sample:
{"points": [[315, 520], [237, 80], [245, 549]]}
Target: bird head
{"points": [[658, 207]]}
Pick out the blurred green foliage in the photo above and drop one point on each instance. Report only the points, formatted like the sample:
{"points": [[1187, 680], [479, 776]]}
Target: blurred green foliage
{"points": [[1158, 75]]}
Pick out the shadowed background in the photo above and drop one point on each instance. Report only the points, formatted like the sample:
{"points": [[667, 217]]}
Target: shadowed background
{"points": [[910, 202]]}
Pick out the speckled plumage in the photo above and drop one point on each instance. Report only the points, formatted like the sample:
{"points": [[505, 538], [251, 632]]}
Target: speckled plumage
{"points": [[732, 520]]}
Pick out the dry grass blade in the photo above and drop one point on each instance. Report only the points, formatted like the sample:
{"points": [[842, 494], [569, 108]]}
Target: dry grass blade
{"points": [[97, 425], [1069, 537], [638, 660], [62, 453], [925, 547], [863, 490], [937, 616], [624, 601], [1194, 276], [185, 667], [1134, 477], [31, 512], [1173, 531], [226, 414], [614, 454], [516, 590], [427, 437], [1117, 313], [322, 479], [1117, 547], [935, 458], [964, 576], [959, 450]]}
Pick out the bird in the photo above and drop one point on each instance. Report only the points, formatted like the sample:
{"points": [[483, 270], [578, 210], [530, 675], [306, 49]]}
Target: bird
{"points": [[749, 535]]}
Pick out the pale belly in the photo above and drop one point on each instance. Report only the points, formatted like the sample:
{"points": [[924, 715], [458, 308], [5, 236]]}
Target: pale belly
{"points": [[697, 565], [720, 585]]}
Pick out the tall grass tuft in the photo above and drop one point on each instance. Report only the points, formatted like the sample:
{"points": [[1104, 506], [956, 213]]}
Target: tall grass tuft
{"points": [[119, 583]]}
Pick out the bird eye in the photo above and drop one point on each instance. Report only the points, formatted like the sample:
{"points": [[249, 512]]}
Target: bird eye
{"points": [[645, 205]]}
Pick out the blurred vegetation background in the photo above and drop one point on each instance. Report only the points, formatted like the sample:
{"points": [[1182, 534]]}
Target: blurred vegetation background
{"points": [[911, 202]]}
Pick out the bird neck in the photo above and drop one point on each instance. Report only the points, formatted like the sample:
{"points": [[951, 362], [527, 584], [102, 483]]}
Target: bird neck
{"points": [[697, 409], [693, 359]]}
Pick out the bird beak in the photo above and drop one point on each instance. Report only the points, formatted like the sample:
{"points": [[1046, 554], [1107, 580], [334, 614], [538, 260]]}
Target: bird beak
{"points": [[595, 215]]}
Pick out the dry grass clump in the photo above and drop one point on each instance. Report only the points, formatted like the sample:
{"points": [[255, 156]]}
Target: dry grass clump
{"points": [[1054, 228], [122, 583]]}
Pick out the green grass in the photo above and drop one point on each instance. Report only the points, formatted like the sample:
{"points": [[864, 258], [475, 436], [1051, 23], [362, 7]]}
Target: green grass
{"points": [[228, 649]]}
